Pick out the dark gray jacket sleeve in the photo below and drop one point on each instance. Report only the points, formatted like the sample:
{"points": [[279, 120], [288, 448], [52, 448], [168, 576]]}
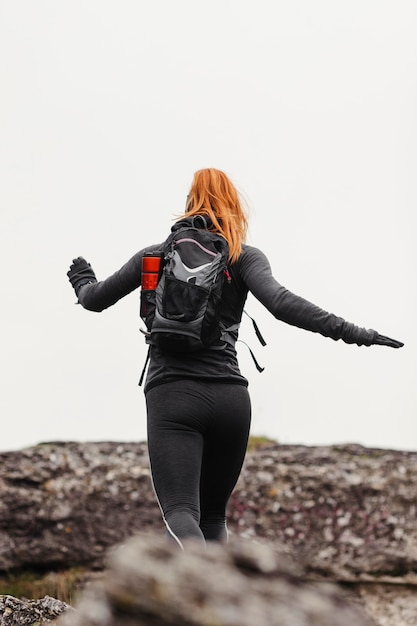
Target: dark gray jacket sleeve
{"points": [[99, 296], [292, 309]]}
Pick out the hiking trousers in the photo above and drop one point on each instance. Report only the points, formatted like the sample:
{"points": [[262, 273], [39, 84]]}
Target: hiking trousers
{"points": [[197, 439]]}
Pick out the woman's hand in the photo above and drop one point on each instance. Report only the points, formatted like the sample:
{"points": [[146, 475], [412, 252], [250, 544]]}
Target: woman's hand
{"points": [[80, 273], [381, 340]]}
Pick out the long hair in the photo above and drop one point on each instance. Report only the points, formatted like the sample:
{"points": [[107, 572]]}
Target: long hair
{"points": [[213, 194]]}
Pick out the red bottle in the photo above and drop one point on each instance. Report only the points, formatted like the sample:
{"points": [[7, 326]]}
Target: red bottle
{"points": [[151, 270]]}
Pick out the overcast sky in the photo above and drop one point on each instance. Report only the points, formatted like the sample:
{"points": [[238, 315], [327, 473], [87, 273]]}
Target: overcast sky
{"points": [[108, 108]]}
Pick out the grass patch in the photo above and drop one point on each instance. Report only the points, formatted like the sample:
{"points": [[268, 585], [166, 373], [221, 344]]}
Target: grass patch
{"points": [[62, 585], [258, 441]]}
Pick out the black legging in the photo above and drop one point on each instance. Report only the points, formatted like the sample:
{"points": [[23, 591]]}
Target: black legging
{"points": [[197, 438]]}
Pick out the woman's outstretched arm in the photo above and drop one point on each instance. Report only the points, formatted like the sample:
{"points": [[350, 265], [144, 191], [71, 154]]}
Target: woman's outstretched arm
{"points": [[295, 310]]}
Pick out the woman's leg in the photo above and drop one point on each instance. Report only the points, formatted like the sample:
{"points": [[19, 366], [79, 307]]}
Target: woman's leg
{"points": [[177, 418], [224, 452]]}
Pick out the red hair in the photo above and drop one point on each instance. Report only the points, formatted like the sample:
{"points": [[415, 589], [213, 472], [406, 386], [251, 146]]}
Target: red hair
{"points": [[213, 194]]}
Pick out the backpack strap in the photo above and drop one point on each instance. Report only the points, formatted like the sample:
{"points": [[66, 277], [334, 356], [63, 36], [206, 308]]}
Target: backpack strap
{"points": [[142, 376], [258, 367], [261, 341], [226, 333], [257, 331], [227, 337]]}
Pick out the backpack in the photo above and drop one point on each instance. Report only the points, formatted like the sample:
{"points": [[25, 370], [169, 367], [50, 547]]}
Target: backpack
{"points": [[182, 314]]}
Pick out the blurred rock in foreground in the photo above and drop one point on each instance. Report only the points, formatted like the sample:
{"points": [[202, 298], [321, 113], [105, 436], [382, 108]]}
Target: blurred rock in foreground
{"points": [[151, 582]]}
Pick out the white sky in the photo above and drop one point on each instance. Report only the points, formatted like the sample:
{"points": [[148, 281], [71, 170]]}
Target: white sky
{"points": [[107, 109]]}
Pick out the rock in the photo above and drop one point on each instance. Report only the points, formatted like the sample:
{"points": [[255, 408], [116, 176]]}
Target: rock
{"points": [[150, 582], [347, 513], [66, 504], [14, 612], [389, 605]]}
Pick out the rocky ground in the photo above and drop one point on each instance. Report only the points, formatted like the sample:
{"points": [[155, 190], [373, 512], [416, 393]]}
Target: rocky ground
{"points": [[339, 514], [348, 512]]}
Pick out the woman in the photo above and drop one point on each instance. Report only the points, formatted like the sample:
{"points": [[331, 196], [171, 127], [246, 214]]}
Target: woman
{"points": [[198, 407]]}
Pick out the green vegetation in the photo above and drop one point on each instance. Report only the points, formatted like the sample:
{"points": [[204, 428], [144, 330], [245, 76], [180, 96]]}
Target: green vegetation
{"points": [[62, 585], [258, 441]]}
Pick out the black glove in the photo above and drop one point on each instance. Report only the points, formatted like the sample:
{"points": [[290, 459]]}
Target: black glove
{"points": [[80, 273], [381, 340]]}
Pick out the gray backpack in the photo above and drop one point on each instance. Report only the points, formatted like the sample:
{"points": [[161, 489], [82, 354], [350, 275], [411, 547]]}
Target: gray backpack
{"points": [[182, 314]]}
